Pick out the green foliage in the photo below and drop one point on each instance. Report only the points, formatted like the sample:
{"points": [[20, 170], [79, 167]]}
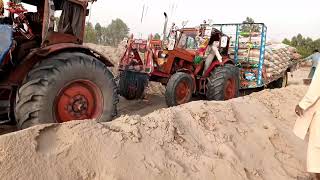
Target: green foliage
{"points": [[286, 41], [90, 34], [249, 27], [98, 30], [157, 36], [305, 46], [111, 35], [117, 30]]}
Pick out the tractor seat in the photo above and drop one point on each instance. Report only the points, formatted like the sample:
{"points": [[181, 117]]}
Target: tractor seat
{"points": [[5, 40]]}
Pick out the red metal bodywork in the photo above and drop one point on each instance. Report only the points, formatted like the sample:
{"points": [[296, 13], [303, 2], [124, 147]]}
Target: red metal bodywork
{"points": [[19, 73], [14, 69], [46, 19], [80, 99], [52, 42], [58, 38]]}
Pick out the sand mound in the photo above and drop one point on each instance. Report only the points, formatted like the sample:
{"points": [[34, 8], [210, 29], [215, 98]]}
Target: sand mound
{"points": [[245, 138], [112, 53]]}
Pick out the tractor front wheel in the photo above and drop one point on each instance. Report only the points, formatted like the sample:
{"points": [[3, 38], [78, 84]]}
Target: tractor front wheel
{"points": [[223, 83], [179, 89], [65, 87], [132, 84]]}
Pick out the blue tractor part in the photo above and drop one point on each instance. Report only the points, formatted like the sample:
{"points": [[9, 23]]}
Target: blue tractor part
{"points": [[5, 40]]}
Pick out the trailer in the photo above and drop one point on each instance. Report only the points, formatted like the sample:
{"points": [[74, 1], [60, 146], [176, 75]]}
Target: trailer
{"points": [[249, 50]]}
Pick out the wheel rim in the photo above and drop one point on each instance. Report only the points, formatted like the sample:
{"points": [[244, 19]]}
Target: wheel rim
{"points": [[79, 100], [230, 89], [182, 92]]}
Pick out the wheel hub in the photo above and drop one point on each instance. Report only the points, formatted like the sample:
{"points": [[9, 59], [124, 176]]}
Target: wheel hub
{"points": [[78, 105], [79, 100], [230, 89], [182, 92]]}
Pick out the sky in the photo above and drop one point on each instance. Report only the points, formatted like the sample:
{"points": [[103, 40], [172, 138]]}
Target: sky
{"points": [[284, 18]]}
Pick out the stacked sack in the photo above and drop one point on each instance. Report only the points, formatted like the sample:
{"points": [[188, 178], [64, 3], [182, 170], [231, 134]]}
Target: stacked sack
{"points": [[248, 50], [278, 57]]}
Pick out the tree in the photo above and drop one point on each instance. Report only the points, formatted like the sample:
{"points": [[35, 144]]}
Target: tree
{"points": [[305, 46], [157, 36], [90, 34], [300, 40], [98, 30], [105, 40], [286, 41], [109, 36], [117, 31], [249, 27]]}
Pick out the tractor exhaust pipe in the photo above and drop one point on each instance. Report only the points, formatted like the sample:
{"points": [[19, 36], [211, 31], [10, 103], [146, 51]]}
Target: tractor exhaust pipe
{"points": [[165, 26]]}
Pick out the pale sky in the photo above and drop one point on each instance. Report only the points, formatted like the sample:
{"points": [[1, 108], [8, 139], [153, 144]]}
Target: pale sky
{"points": [[284, 18]]}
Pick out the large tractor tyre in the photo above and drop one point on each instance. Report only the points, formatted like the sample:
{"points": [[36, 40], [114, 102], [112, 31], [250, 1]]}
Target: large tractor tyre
{"points": [[64, 87], [132, 84], [223, 83], [236, 73], [281, 82], [179, 89]]}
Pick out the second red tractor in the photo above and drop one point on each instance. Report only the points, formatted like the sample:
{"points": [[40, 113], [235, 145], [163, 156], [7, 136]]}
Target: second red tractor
{"points": [[178, 62]]}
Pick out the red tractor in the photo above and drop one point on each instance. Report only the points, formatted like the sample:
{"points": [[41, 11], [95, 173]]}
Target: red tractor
{"points": [[178, 62], [47, 75]]}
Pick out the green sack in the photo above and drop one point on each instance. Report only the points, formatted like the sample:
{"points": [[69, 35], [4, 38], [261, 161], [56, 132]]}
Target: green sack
{"points": [[198, 59]]}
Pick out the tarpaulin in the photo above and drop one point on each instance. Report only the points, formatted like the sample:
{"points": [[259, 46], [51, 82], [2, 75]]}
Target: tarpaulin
{"points": [[5, 40]]}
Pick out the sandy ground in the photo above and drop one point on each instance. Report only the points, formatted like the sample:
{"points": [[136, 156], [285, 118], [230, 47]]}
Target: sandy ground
{"points": [[246, 138]]}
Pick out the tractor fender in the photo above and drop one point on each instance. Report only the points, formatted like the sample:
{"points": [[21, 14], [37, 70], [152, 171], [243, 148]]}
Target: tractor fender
{"points": [[58, 48], [20, 71], [215, 64], [193, 77]]}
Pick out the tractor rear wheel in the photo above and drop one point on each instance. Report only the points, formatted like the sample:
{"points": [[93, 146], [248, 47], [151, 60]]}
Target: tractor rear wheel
{"points": [[223, 83], [132, 84], [179, 89], [65, 87]]}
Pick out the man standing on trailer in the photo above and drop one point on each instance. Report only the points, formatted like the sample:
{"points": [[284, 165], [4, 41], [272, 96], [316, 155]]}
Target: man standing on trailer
{"points": [[308, 111]]}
